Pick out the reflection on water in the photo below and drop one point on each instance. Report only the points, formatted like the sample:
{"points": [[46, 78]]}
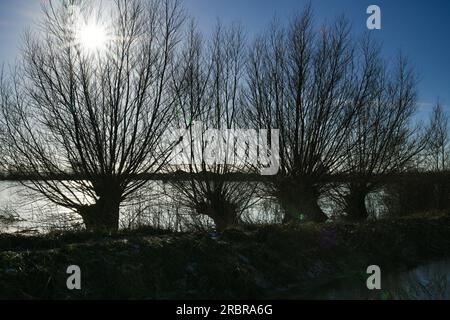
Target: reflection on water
{"points": [[23, 211], [154, 205], [426, 282]]}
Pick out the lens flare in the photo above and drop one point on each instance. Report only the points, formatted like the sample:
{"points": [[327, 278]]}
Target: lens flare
{"points": [[92, 37]]}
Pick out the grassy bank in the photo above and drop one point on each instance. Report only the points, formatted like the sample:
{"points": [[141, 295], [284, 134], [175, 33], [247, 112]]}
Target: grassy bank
{"points": [[254, 262]]}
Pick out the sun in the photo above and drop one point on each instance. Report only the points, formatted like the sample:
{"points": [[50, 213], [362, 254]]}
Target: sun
{"points": [[92, 37], [90, 30]]}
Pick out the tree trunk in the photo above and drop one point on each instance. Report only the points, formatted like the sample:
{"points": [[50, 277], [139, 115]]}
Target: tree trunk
{"points": [[222, 212], [103, 216], [300, 201], [355, 205], [225, 221], [313, 212]]}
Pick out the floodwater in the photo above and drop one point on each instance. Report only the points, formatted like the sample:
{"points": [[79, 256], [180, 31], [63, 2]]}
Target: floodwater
{"points": [[25, 212]]}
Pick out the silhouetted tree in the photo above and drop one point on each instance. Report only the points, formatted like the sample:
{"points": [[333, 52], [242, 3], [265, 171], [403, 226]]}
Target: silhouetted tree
{"points": [[210, 97], [438, 144], [300, 82], [383, 139], [96, 114]]}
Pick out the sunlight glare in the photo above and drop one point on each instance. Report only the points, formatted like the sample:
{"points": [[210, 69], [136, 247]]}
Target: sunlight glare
{"points": [[92, 37]]}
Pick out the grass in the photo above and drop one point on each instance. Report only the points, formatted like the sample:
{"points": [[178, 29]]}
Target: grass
{"points": [[264, 262]]}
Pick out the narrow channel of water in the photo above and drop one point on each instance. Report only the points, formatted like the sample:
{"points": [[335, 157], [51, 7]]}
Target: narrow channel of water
{"points": [[426, 282]]}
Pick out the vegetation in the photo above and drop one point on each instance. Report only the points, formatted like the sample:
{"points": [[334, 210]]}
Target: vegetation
{"points": [[273, 261]]}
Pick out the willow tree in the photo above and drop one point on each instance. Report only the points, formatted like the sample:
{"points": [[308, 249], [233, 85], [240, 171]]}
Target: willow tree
{"points": [[300, 82], [210, 97], [437, 148], [383, 138], [90, 100]]}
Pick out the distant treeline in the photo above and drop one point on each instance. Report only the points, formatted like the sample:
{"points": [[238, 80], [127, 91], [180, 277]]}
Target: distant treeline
{"points": [[426, 176]]}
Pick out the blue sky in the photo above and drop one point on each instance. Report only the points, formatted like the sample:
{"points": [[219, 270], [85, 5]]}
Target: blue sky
{"points": [[419, 29]]}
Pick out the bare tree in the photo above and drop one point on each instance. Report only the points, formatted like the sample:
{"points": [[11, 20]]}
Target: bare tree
{"points": [[300, 82], [211, 97], [97, 115], [439, 140], [383, 140]]}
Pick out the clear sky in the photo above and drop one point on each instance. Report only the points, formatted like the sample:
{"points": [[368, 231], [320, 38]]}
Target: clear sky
{"points": [[420, 29]]}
